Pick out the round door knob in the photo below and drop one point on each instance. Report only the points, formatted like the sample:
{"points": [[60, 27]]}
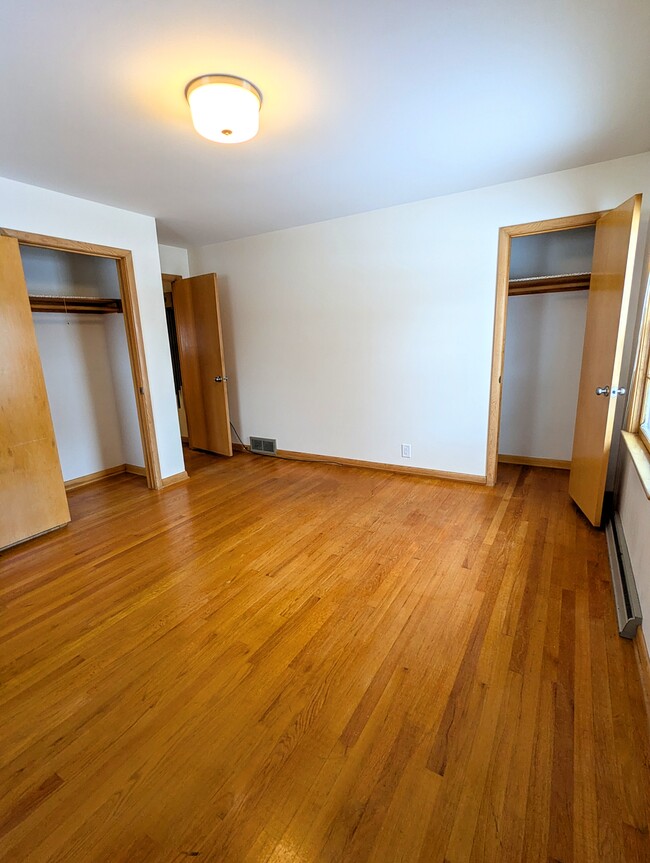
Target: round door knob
{"points": [[602, 391], [220, 379]]}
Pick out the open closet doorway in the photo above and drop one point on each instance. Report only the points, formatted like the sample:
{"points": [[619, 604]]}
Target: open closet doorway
{"points": [[131, 317], [195, 318], [547, 314], [78, 375], [563, 357], [167, 281], [79, 324]]}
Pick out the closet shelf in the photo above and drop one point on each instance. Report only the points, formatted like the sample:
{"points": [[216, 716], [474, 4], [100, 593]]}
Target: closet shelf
{"points": [[549, 284], [83, 305]]}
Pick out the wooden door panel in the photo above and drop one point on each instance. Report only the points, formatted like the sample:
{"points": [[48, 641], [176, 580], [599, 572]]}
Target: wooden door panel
{"points": [[32, 492], [609, 294], [200, 348]]}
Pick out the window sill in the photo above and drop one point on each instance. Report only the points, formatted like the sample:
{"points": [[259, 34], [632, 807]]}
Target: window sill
{"points": [[640, 457]]}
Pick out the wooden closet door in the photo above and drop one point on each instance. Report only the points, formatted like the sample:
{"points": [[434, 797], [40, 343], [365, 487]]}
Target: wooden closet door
{"points": [[200, 351], [609, 296], [32, 493]]}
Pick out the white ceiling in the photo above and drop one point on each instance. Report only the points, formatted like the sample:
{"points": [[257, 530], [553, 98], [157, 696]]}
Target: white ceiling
{"points": [[367, 103]]}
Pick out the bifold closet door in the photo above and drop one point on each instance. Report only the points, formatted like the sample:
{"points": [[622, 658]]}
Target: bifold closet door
{"points": [[32, 492]]}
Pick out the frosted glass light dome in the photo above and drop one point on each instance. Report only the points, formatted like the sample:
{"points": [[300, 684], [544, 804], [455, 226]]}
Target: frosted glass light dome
{"points": [[224, 108]]}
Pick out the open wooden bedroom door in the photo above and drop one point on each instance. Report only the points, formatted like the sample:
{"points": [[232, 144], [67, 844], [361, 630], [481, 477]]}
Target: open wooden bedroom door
{"points": [[32, 493], [200, 351], [609, 296]]}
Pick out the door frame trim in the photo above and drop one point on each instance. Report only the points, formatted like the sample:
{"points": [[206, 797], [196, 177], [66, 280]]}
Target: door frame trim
{"points": [[132, 325], [500, 316]]}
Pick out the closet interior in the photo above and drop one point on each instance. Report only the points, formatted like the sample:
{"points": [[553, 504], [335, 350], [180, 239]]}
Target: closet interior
{"points": [[77, 314], [547, 310], [167, 282]]}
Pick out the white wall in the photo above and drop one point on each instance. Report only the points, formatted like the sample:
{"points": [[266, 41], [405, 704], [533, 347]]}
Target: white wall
{"points": [[352, 336], [75, 354], [86, 364], [634, 510], [552, 254], [541, 374], [174, 261], [28, 208], [631, 502], [52, 272]]}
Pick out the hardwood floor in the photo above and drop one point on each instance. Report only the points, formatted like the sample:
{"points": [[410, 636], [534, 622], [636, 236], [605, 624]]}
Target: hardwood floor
{"points": [[281, 662]]}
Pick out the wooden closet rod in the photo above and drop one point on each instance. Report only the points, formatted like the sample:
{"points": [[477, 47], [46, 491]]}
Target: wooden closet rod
{"points": [[549, 284], [83, 305]]}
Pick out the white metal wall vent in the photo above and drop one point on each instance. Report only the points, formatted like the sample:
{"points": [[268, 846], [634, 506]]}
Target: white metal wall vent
{"points": [[264, 445]]}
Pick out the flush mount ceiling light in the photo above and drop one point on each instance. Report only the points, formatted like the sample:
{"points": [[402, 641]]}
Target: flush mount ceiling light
{"points": [[224, 108]]}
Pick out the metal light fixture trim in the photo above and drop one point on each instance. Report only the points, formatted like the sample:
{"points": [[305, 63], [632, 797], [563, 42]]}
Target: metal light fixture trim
{"points": [[224, 108]]}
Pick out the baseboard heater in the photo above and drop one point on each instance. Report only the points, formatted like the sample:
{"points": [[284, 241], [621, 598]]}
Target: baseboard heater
{"points": [[628, 607]]}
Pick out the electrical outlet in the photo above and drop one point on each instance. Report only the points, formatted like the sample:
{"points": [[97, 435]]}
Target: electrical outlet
{"points": [[406, 450]]}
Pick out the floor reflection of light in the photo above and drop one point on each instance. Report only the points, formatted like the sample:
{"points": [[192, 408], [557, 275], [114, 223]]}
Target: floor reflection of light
{"points": [[286, 851]]}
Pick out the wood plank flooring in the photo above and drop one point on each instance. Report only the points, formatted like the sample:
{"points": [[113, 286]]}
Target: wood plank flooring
{"points": [[282, 662]]}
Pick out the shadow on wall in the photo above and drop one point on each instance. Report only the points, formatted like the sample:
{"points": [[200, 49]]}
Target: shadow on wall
{"points": [[541, 374], [74, 353], [64, 273], [553, 253]]}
